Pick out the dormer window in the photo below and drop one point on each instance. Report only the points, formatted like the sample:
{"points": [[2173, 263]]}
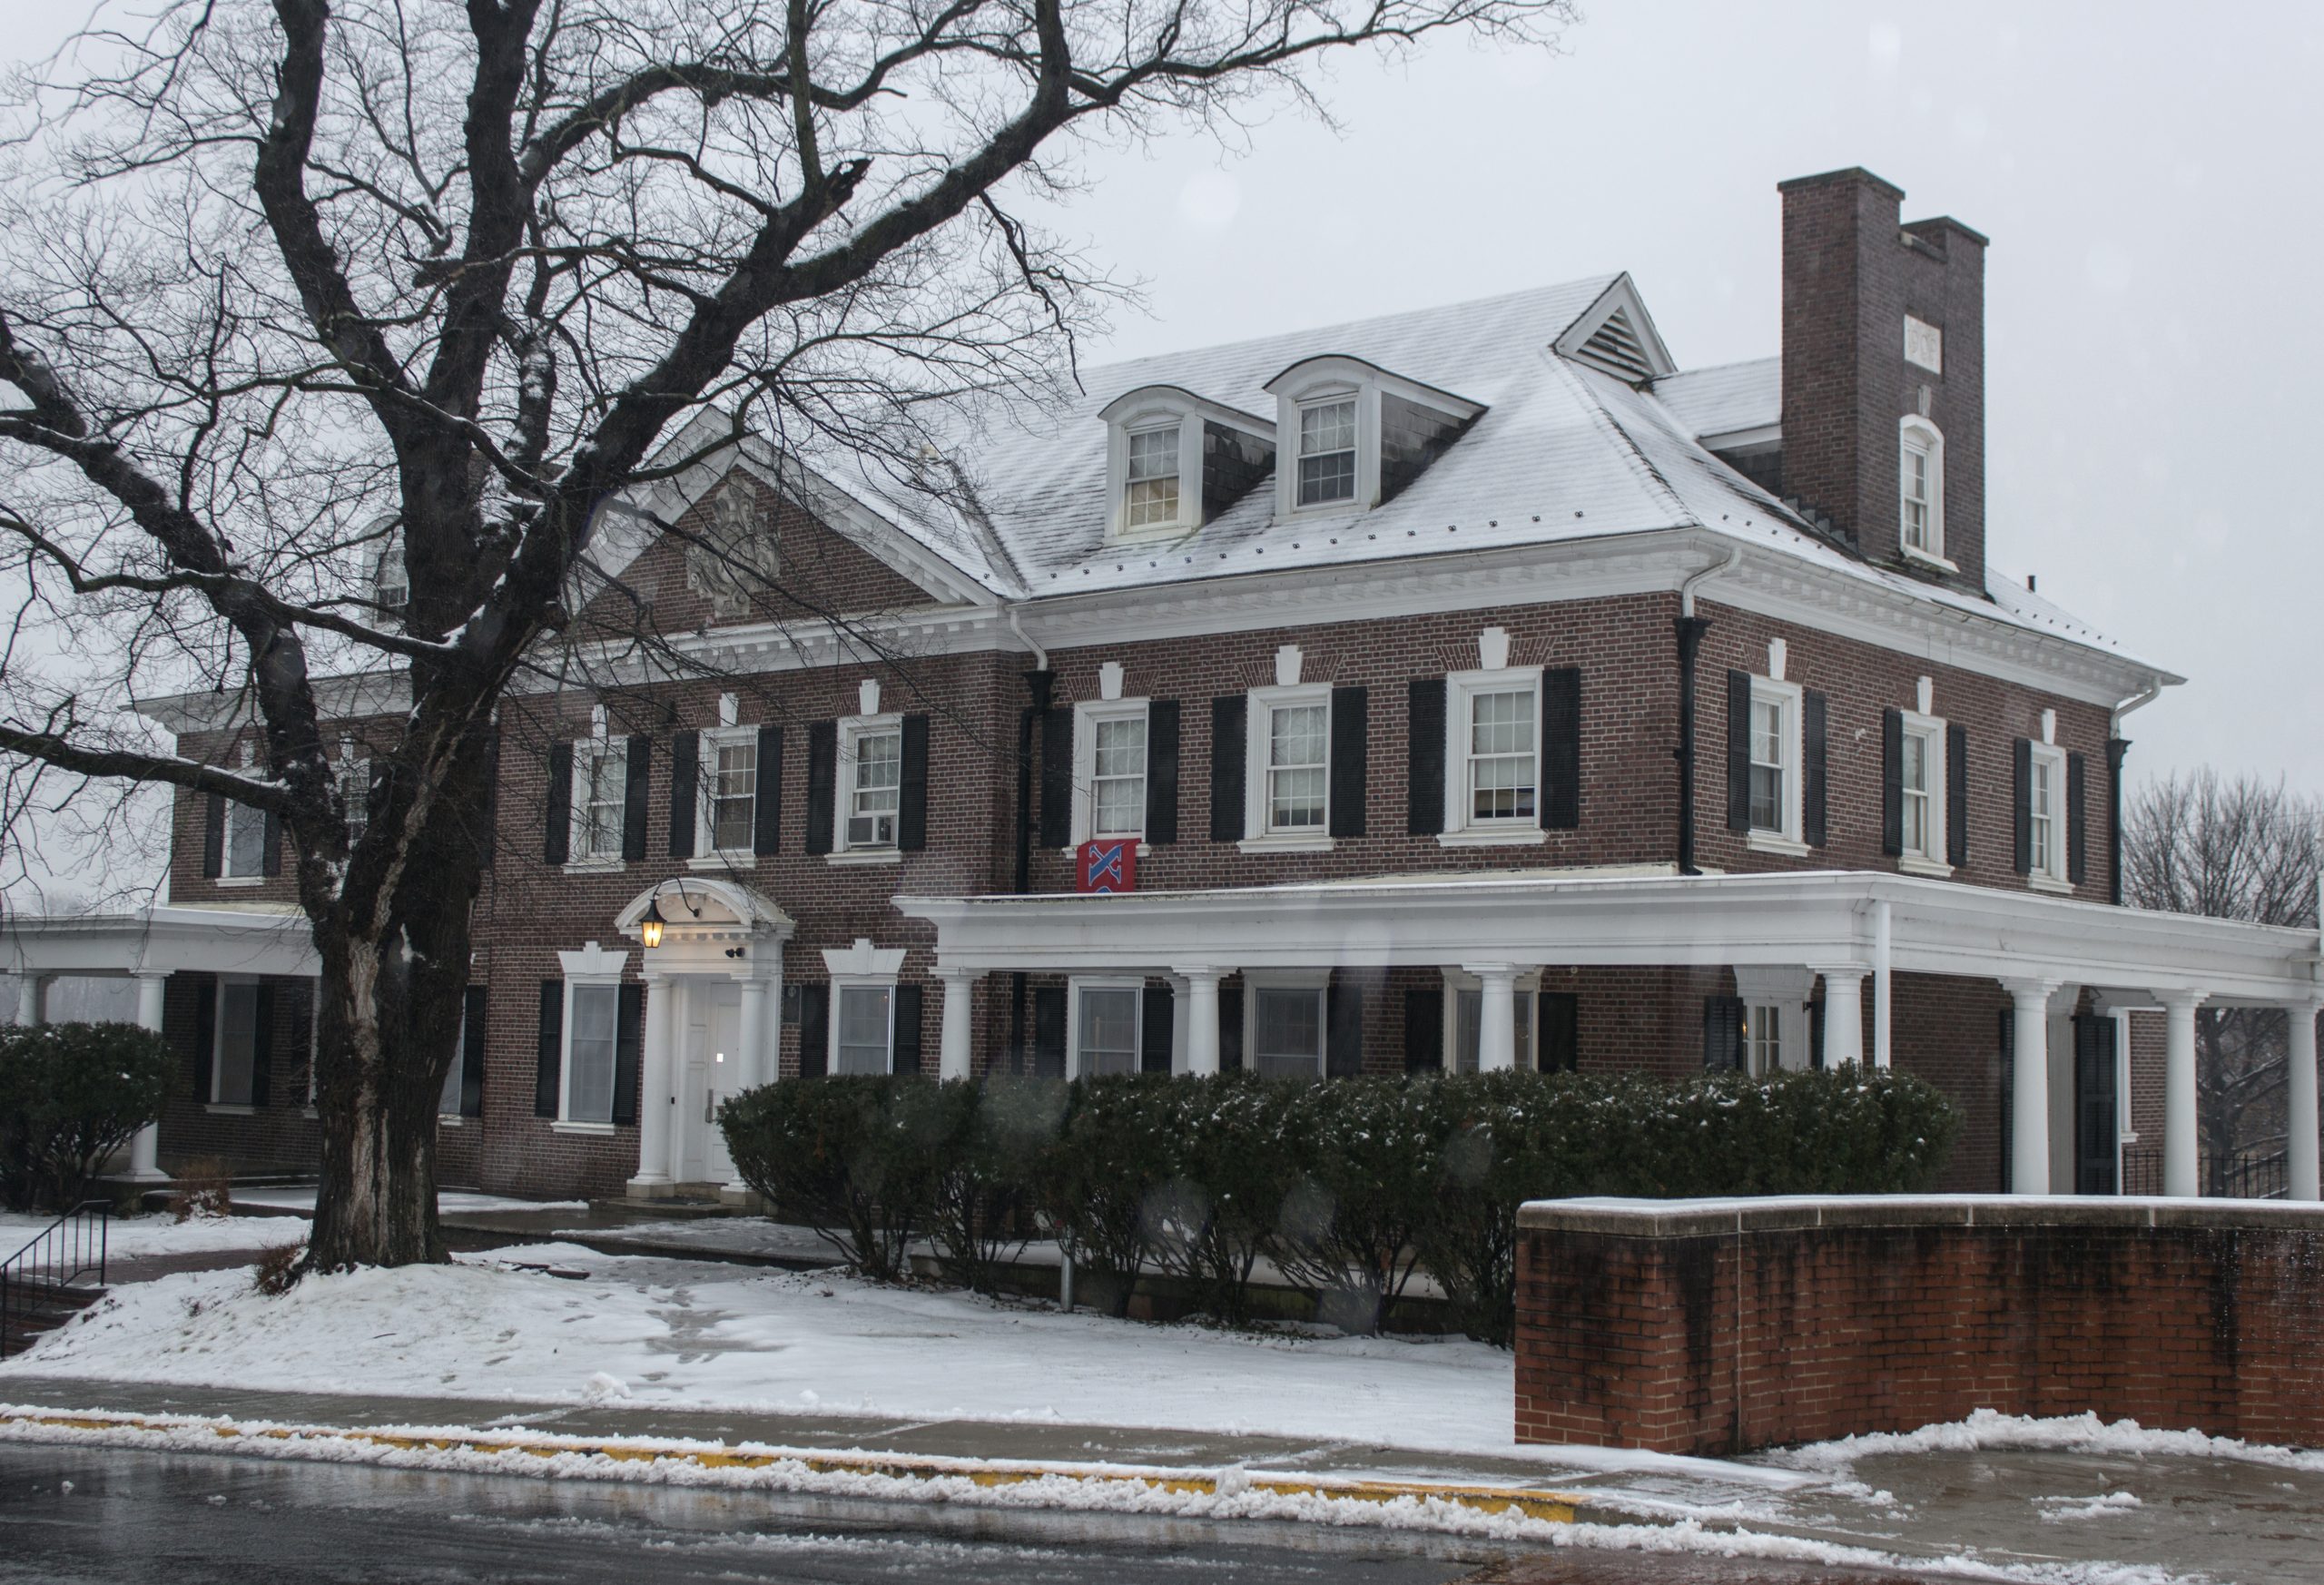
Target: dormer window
{"points": [[1175, 461], [1361, 435]]}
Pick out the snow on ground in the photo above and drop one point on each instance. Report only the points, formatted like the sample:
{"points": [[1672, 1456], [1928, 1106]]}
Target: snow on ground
{"points": [[1985, 1430], [128, 1238], [448, 1202]]}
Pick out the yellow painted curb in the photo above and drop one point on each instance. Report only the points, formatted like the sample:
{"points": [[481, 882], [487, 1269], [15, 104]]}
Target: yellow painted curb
{"points": [[1551, 1507]]}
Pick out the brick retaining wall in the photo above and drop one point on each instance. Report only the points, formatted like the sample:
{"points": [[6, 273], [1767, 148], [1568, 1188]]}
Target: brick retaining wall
{"points": [[1715, 1327]]}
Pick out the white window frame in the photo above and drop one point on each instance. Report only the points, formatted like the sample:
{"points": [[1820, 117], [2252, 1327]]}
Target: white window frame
{"points": [[215, 1100], [839, 985], [1351, 399], [591, 967], [1259, 729], [1458, 983], [1764, 1029], [1150, 408], [1791, 698], [237, 814], [1461, 829], [354, 791], [1317, 982], [1916, 434], [1085, 717], [852, 730], [1073, 989], [1172, 435], [707, 853], [599, 751], [2048, 874], [1930, 729]]}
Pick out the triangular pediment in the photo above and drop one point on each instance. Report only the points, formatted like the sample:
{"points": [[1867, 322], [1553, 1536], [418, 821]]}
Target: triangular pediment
{"points": [[1617, 335]]}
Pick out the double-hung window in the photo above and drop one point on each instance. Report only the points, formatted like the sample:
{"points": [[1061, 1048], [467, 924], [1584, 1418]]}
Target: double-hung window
{"points": [[730, 793], [1298, 768], [1328, 452], [1287, 1031], [1152, 484], [863, 1029], [245, 855], [1920, 468], [874, 752], [354, 792], [1762, 1037], [1503, 765], [1106, 1017], [2046, 804], [1770, 764], [1118, 775], [1919, 797], [592, 1022], [600, 788]]}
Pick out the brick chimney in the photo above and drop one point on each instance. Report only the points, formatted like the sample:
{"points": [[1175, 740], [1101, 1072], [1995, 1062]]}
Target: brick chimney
{"points": [[1883, 321]]}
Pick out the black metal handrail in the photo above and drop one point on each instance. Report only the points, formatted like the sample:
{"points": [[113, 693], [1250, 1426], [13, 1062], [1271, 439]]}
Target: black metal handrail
{"points": [[58, 1256]]}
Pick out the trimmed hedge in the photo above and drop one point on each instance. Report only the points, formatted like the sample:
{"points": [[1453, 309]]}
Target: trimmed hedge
{"points": [[1349, 1188], [70, 1096]]}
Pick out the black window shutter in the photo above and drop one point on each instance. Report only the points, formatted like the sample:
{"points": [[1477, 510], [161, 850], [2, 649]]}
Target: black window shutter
{"points": [[1561, 749], [557, 804], [1162, 772], [907, 1046], [472, 1032], [1891, 781], [262, 1045], [2021, 802], [1815, 1034], [629, 1028], [549, 1054], [1230, 1028], [1722, 1032], [1424, 756], [487, 820], [1158, 1014], [1558, 1039], [271, 854], [2096, 1128], [206, 1036], [2009, 1098], [822, 778], [213, 836], [686, 772], [1813, 800], [638, 761], [1424, 1028], [1048, 1031], [1344, 1028], [912, 792], [2077, 819], [814, 1022], [1351, 757], [1229, 747], [1739, 751], [1957, 795], [1056, 777], [766, 811]]}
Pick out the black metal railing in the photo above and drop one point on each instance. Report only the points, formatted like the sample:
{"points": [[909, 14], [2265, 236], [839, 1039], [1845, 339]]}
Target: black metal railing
{"points": [[2141, 1170], [2260, 1174], [51, 1269]]}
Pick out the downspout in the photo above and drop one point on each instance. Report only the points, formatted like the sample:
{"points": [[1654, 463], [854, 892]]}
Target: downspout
{"points": [[2116, 744], [1037, 684], [1690, 631]]}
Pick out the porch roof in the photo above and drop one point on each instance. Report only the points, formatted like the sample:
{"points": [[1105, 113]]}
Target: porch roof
{"points": [[163, 938], [1638, 916]]}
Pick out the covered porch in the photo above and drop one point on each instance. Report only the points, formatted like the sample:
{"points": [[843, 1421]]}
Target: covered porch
{"points": [[1851, 933]]}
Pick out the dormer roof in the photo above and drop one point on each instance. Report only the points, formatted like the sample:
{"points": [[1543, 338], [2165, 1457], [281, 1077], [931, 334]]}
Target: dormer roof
{"points": [[1164, 394]]}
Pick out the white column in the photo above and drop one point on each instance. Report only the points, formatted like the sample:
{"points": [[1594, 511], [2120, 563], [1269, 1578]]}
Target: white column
{"points": [[1202, 1017], [2301, 1108], [2179, 1153], [953, 1051], [2029, 1101], [1179, 1023], [28, 1000], [1843, 1016], [1880, 941], [754, 1067], [1496, 1015], [145, 1149], [653, 1109]]}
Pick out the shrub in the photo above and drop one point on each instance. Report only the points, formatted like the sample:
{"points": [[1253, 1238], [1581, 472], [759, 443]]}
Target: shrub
{"points": [[998, 1141], [1367, 1159], [856, 1158], [70, 1096], [204, 1186], [1233, 1162], [1105, 1188]]}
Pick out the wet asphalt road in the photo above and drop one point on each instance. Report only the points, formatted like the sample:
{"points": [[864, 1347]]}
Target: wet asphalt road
{"points": [[92, 1517]]}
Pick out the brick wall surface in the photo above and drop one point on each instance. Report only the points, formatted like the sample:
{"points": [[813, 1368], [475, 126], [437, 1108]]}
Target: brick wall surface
{"points": [[1714, 1345]]}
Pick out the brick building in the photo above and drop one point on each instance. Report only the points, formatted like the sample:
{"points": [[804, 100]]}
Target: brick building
{"points": [[1471, 687]]}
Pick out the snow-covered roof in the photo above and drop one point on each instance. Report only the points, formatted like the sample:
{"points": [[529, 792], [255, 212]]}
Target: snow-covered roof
{"points": [[1727, 398]]}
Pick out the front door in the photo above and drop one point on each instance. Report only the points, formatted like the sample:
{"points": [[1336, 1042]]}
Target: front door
{"points": [[713, 1071], [2096, 1123]]}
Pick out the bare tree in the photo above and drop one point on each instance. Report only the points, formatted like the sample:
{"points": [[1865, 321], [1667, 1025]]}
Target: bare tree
{"points": [[286, 283], [2243, 849]]}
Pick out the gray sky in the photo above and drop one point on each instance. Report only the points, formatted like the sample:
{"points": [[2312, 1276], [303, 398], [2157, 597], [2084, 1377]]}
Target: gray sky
{"points": [[2153, 325]]}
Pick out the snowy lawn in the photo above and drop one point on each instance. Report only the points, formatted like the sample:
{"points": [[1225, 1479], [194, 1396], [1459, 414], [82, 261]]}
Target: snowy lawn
{"points": [[127, 1237], [671, 1333]]}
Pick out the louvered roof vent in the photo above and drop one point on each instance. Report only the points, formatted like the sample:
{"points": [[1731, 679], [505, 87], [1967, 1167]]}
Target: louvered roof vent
{"points": [[1614, 347], [1617, 337]]}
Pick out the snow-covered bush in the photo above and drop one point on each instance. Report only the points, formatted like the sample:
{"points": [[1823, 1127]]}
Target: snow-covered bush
{"points": [[70, 1096]]}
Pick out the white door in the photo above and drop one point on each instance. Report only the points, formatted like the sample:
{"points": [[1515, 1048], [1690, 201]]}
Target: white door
{"points": [[714, 1071]]}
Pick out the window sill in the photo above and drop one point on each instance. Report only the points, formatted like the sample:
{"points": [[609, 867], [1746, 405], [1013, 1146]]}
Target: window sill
{"points": [[1486, 837], [2129, 1138], [1287, 844], [1767, 841], [2050, 883], [230, 1109], [865, 856], [448, 1120], [1934, 869], [725, 859], [603, 1131], [1925, 559], [1075, 851], [593, 866], [241, 881]]}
